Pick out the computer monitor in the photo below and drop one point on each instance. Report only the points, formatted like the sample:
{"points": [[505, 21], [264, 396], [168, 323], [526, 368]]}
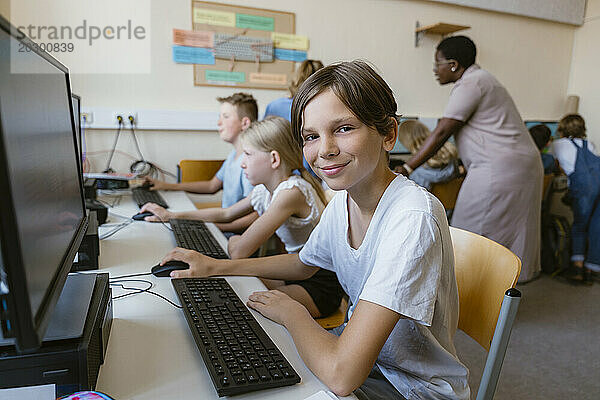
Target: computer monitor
{"points": [[76, 101], [553, 125], [42, 212]]}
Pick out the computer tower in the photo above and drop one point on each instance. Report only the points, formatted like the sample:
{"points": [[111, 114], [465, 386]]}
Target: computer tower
{"points": [[71, 364], [89, 249]]}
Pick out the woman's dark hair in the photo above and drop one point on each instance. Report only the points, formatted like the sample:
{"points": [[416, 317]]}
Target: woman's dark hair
{"points": [[572, 125], [540, 134], [358, 87], [459, 48]]}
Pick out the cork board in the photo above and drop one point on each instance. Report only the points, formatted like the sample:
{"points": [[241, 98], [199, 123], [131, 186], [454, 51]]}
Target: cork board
{"points": [[282, 70]]}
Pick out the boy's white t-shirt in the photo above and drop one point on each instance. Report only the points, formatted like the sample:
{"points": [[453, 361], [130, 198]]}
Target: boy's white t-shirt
{"points": [[566, 153], [406, 264], [294, 232]]}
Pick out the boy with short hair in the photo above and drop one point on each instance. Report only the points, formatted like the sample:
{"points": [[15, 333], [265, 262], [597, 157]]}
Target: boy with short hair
{"points": [[236, 114]]}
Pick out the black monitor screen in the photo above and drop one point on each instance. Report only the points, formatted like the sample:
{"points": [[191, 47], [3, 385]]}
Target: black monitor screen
{"points": [[42, 167], [77, 118]]}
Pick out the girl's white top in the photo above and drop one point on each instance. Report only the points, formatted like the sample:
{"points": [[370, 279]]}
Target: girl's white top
{"points": [[295, 231]]}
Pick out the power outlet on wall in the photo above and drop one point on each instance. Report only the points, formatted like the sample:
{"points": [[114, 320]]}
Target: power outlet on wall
{"points": [[87, 117], [125, 115]]}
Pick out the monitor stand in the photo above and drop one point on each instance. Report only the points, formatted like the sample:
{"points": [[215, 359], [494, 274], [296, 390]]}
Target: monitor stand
{"points": [[68, 318]]}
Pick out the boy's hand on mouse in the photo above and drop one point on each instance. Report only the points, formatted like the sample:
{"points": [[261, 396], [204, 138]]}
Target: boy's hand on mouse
{"points": [[160, 214], [200, 265], [277, 306]]}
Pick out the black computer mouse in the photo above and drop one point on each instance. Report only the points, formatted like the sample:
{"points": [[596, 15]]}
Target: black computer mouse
{"points": [[165, 270], [146, 185], [140, 216]]}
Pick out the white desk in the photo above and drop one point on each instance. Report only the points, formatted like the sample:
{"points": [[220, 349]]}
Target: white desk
{"points": [[151, 352]]}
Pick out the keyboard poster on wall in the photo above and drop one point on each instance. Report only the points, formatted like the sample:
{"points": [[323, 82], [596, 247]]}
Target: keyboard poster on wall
{"points": [[240, 46]]}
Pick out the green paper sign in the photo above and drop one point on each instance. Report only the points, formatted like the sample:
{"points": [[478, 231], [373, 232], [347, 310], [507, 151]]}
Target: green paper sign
{"points": [[213, 75], [254, 22]]}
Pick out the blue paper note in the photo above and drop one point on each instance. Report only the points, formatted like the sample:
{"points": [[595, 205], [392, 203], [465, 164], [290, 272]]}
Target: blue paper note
{"points": [[193, 55], [290, 55]]}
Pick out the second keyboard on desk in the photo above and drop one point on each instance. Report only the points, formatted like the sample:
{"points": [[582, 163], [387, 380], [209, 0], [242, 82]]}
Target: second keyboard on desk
{"points": [[238, 354], [142, 196], [194, 235]]}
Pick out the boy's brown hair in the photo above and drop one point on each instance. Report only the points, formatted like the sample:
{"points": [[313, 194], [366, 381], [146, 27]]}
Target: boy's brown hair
{"points": [[541, 135], [571, 125], [358, 87], [244, 103]]}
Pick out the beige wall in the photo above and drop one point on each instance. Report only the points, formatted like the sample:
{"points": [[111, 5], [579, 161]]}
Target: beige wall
{"points": [[530, 57], [584, 80]]}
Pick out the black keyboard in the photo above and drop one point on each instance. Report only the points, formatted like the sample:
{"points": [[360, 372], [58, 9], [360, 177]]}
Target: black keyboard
{"points": [[194, 235], [142, 196], [238, 354]]}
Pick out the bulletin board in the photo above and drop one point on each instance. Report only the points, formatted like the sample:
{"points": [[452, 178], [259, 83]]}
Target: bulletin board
{"points": [[257, 74]]}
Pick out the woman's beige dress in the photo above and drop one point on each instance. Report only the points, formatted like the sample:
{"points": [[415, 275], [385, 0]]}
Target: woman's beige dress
{"points": [[501, 195]]}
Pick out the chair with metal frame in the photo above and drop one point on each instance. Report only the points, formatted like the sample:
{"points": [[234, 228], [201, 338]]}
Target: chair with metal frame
{"points": [[486, 274]]}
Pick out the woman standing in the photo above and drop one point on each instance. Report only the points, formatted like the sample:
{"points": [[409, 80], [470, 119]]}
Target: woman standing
{"points": [[501, 195]]}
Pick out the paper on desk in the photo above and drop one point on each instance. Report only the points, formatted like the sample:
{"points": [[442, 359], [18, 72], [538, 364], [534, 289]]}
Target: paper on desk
{"points": [[322, 395], [41, 392]]}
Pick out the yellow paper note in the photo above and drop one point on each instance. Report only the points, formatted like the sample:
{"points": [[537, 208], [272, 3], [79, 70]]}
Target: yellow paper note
{"points": [[289, 41], [212, 17], [193, 38], [268, 79]]}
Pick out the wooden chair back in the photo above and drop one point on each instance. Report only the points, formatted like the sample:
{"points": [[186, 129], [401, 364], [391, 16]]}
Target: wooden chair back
{"points": [[447, 192], [484, 270], [198, 170]]}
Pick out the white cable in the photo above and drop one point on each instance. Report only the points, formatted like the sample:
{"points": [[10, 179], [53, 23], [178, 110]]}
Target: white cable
{"points": [[114, 230]]}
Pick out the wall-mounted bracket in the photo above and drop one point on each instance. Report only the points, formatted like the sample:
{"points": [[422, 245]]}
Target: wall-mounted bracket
{"points": [[441, 28]]}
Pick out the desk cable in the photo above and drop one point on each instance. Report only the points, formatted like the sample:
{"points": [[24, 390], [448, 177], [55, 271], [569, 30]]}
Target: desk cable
{"points": [[134, 290], [116, 229]]}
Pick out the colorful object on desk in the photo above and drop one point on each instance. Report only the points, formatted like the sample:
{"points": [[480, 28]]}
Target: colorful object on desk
{"points": [[193, 55], [87, 395]]}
